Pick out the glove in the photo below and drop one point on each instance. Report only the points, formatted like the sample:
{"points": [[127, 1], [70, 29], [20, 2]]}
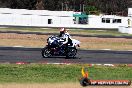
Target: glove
{"points": [[60, 44]]}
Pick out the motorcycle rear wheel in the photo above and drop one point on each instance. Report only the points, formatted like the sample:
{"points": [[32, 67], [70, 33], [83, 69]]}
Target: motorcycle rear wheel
{"points": [[71, 52]]}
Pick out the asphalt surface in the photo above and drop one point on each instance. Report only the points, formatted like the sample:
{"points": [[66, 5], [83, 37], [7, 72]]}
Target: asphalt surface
{"points": [[33, 55]]}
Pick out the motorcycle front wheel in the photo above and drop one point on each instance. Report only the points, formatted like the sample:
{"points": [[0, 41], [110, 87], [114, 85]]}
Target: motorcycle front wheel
{"points": [[46, 52]]}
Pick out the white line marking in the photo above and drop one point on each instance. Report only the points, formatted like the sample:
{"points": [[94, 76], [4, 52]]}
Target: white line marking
{"points": [[108, 65], [18, 46], [105, 49]]}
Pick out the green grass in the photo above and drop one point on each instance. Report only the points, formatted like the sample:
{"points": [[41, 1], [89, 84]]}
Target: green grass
{"points": [[45, 30], [93, 32], [41, 73]]}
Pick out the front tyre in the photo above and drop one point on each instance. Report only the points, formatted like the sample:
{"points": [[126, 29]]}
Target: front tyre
{"points": [[71, 52], [46, 52]]}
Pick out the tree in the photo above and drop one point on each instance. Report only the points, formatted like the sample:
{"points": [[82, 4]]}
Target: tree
{"points": [[22, 4], [104, 6], [39, 5]]}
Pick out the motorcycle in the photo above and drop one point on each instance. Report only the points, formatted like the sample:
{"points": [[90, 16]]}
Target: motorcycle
{"points": [[55, 48]]}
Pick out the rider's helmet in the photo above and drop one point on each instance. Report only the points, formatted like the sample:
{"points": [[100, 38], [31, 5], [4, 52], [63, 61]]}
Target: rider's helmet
{"points": [[62, 31]]}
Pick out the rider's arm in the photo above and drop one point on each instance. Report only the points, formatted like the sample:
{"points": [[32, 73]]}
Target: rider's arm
{"points": [[65, 39]]}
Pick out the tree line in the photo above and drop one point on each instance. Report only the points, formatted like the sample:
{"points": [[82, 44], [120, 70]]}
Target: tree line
{"points": [[100, 6]]}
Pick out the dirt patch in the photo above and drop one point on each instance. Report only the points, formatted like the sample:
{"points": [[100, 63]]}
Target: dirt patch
{"points": [[56, 85], [27, 40], [34, 40]]}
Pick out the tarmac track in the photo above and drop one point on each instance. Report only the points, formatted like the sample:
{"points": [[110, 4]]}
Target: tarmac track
{"points": [[33, 55]]}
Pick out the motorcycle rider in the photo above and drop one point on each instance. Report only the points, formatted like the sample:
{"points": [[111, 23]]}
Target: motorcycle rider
{"points": [[65, 39]]}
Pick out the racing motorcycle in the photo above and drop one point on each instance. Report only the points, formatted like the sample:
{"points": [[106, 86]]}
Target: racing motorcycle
{"points": [[55, 48]]}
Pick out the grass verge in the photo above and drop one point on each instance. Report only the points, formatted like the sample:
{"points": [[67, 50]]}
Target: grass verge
{"points": [[41, 73], [92, 32]]}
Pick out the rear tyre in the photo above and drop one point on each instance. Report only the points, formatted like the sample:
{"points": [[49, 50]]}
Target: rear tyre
{"points": [[46, 52], [71, 52]]}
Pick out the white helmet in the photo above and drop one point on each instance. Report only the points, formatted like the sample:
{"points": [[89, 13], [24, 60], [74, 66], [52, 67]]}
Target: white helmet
{"points": [[62, 29]]}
